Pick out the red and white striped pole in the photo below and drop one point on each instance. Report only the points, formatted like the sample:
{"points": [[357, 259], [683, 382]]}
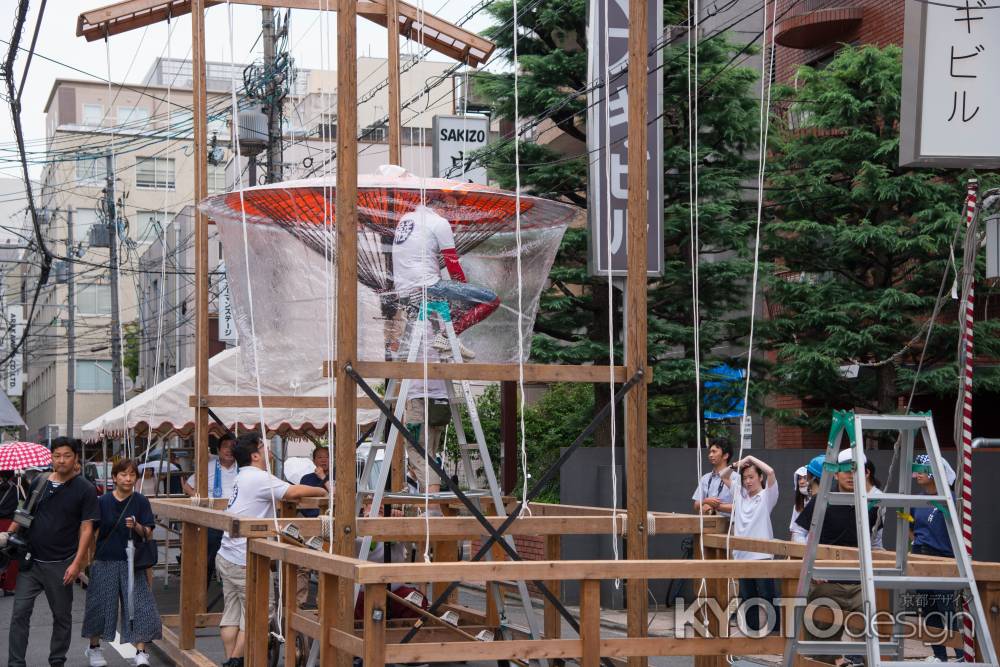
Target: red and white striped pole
{"points": [[968, 629]]}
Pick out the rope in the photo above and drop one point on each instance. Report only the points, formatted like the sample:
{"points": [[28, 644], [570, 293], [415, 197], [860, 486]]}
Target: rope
{"points": [[525, 505], [609, 219], [253, 331]]}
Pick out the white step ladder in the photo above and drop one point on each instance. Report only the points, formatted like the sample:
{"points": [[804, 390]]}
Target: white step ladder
{"points": [[385, 438], [894, 578]]}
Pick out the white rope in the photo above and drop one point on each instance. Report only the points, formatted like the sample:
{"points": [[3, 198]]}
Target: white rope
{"points": [[525, 476], [253, 332], [609, 220]]}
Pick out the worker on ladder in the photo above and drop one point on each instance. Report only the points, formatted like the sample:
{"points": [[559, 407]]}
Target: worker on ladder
{"points": [[422, 243]]}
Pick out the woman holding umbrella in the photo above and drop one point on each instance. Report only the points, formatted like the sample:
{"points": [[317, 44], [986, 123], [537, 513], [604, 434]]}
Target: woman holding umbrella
{"points": [[126, 522]]}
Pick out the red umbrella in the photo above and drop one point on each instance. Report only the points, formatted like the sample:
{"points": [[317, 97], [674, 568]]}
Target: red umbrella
{"points": [[20, 455]]}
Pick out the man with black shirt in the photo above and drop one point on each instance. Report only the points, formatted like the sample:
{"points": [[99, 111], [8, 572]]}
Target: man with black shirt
{"points": [[838, 529], [58, 539]]}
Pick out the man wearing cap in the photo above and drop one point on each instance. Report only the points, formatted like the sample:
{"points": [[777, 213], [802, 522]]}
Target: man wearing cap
{"points": [[929, 532], [838, 529]]}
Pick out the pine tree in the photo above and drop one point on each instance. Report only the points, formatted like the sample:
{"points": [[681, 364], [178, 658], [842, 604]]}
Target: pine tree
{"points": [[858, 247], [572, 323]]}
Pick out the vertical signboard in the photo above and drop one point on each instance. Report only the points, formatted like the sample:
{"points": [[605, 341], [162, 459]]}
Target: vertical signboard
{"points": [[951, 86], [227, 322], [455, 139], [607, 129], [14, 372]]}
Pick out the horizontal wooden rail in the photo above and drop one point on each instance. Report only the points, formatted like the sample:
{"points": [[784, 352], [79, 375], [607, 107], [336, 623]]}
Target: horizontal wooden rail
{"points": [[281, 402], [491, 372]]}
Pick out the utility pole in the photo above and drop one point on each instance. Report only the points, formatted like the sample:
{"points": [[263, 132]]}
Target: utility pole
{"points": [[70, 326], [274, 96], [117, 397]]}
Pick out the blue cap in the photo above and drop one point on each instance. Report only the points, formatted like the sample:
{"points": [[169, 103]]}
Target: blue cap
{"points": [[815, 467]]}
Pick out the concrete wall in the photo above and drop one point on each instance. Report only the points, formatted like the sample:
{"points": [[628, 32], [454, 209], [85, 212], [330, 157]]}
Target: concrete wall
{"points": [[586, 480]]}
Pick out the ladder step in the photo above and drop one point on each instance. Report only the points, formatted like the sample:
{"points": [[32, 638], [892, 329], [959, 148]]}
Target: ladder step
{"points": [[904, 582], [889, 499], [893, 422], [806, 647], [911, 663], [847, 574]]}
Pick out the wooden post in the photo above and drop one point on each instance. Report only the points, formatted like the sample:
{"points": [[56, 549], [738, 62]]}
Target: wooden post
{"points": [[258, 583], [328, 599], [395, 124], [590, 622], [290, 604], [508, 436], [635, 318], [199, 104], [445, 551], [374, 624], [719, 590], [347, 309], [192, 573], [553, 621], [989, 595]]}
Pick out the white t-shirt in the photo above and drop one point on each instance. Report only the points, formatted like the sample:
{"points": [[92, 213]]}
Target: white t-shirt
{"points": [[752, 516], [799, 534], [228, 477], [712, 486], [420, 237], [254, 495]]}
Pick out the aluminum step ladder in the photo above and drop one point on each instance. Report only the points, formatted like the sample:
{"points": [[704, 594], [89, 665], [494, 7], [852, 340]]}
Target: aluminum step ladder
{"points": [[385, 439], [895, 578]]}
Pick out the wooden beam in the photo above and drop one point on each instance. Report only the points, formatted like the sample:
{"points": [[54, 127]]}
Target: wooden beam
{"points": [[347, 306], [553, 621], [590, 622], [395, 106], [258, 584], [329, 598], [376, 613], [191, 565], [535, 373], [170, 645], [340, 566], [439, 35], [286, 402], [289, 605], [306, 623], [204, 620], [349, 643]]}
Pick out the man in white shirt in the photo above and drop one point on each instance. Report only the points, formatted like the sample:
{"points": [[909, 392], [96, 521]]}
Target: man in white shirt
{"points": [[222, 471], [255, 494], [713, 496], [422, 243]]}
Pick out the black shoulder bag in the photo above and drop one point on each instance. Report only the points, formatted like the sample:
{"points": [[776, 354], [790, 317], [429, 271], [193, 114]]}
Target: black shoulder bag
{"points": [[146, 554]]}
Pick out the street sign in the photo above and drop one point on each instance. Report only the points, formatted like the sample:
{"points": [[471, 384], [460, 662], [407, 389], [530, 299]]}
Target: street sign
{"points": [[951, 87], [455, 139], [607, 129], [227, 321], [13, 372]]}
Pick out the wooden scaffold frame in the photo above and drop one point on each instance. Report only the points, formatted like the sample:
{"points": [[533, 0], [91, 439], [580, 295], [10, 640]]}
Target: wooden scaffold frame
{"points": [[377, 640]]}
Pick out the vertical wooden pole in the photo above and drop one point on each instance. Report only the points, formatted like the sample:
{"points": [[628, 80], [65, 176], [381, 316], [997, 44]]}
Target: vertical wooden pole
{"points": [[718, 589], [258, 583], [200, 105], [374, 624], [508, 436], [553, 621], [635, 317], [395, 123], [327, 602], [347, 306], [590, 622], [191, 566], [289, 591]]}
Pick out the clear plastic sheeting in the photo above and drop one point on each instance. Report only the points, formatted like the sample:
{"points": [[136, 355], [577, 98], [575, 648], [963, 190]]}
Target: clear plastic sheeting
{"points": [[290, 247]]}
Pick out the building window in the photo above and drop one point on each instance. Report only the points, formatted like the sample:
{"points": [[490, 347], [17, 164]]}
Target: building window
{"points": [[134, 117], [93, 299], [83, 220], [148, 226], [154, 173], [91, 171], [327, 129], [216, 179], [93, 115], [93, 375], [375, 133]]}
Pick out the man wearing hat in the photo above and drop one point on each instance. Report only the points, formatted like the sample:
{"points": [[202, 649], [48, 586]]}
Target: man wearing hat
{"points": [[838, 529], [929, 531]]}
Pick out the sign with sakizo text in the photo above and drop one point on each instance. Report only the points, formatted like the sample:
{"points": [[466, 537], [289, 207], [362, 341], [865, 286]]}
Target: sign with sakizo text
{"points": [[951, 85], [456, 138]]}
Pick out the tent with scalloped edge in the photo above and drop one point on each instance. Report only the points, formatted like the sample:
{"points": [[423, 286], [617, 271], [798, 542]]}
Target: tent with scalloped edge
{"points": [[165, 408]]}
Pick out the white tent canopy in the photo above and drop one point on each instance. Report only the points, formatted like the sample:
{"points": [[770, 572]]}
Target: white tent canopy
{"points": [[165, 407]]}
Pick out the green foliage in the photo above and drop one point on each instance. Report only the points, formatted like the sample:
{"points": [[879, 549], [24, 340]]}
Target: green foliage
{"points": [[131, 351], [572, 322], [858, 247], [551, 423]]}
